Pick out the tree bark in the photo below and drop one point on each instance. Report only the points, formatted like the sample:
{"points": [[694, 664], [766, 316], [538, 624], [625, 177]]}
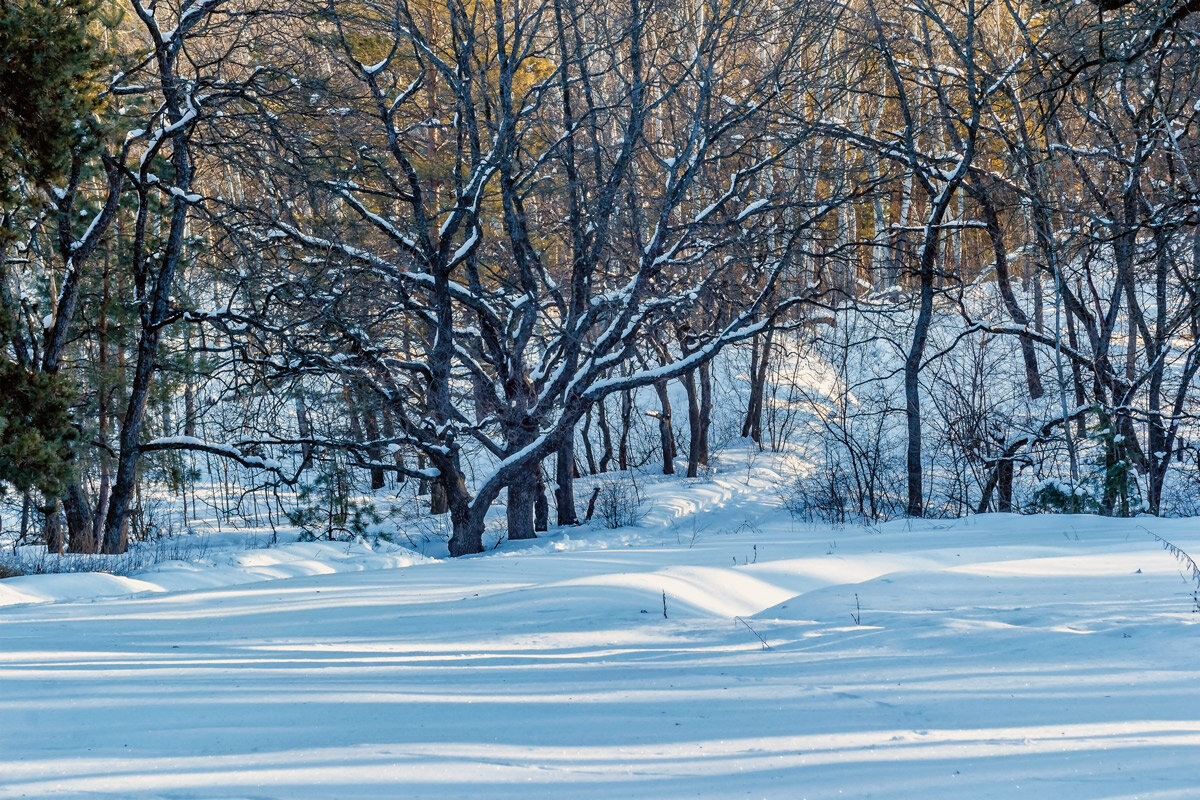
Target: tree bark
{"points": [[541, 504], [116, 527], [705, 411], [759, 362], [626, 422], [424, 485], [81, 536], [466, 535], [666, 434], [439, 497], [587, 443], [53, 529], [519, 511], [695, 432], [26, 511], [564, 493], [1004, 486], [371, 427], [304, 428], [606, 456], [753, 402]]}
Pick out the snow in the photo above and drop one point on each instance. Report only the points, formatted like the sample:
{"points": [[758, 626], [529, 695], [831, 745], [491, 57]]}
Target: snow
{"points": [[988, 657], [190, 197], [753, 207], [466, 247], [185, 442], [221, 569], [375, 68], [75, 586]]}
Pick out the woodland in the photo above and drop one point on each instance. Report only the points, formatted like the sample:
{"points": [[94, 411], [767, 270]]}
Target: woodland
{"points": [[468, 252]]}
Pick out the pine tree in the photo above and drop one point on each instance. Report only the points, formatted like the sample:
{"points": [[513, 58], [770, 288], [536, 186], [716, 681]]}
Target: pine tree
{"points": [[46, 62], [47, 90], [37, 433]]}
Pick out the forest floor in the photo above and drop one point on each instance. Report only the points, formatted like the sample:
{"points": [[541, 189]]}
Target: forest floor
{"points": [[989, 657]]}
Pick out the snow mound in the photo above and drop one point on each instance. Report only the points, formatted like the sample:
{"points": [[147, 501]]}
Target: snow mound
{"points": [[222, 568]]}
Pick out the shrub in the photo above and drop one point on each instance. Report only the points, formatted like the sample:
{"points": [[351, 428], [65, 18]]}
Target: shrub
{"points": [[1057, 497], [619, 500], [325, 508], [831, 493]]}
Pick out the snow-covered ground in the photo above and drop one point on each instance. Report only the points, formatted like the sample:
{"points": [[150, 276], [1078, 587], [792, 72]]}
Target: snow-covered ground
{"points": [[990, 657]]}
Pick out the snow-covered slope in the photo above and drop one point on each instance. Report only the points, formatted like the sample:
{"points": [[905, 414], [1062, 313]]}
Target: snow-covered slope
{"points": [[991, 657]]}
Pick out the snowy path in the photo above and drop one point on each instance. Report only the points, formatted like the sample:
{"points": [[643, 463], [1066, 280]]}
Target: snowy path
{"points": [[996, 658]]}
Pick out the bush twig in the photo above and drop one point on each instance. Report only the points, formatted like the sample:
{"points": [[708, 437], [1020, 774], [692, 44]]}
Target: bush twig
{"points": [[760, 638]]}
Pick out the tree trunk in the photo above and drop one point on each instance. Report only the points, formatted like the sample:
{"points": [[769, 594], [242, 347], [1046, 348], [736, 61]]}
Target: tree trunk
{"points": [[626, 422], [916, 353], [116, 525], [26, 511], [352, 417], [189, 410], [695, 433], [519, 511], [564, 494], [467, 528], [754, 402], [389, 431], [424, 485], [439, 497], [541, 504], [1077, 378], [759, 362], [304, 428], [371, 428], [1033, 377], [81, 537], [53, 529], [155, 289], [665, 433], [705, 411], [606, 457], [103, 399], [1004, 486], [587, 443]]}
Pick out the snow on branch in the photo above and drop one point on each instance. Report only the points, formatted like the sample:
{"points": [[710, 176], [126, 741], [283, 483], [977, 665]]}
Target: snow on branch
{"points": [[228, 451]]}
